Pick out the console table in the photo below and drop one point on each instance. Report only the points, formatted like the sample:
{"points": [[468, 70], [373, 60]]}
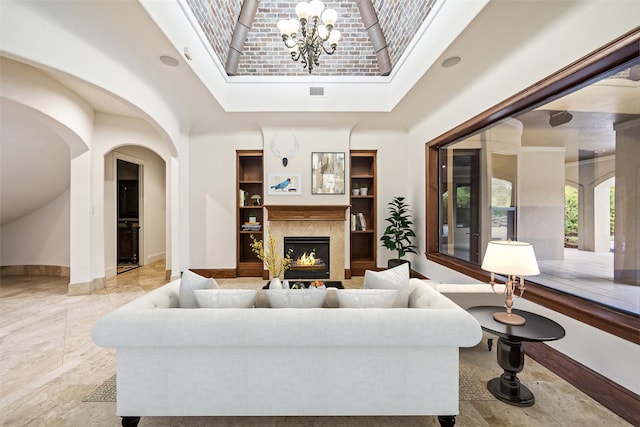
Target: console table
{"points": [[510, 352]]}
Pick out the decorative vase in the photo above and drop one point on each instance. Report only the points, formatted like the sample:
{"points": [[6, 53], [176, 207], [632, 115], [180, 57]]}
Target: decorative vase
{"points": [[275, 283]]}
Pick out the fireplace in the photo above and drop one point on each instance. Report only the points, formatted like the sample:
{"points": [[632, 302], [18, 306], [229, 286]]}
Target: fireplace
{"points": [[310, 257]]}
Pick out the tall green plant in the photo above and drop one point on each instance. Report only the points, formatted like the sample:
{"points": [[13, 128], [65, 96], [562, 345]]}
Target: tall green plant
{"points": [[397, 236]]}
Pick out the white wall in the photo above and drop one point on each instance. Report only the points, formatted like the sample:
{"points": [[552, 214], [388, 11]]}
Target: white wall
{"points": [[583, 343], [541, 200], [39, 238], [142, 143], [310, 140], [600, 351], [393, 178], [212, 197], [213, 163]]}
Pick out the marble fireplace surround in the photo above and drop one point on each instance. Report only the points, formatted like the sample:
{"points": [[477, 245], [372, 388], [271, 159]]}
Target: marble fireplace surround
{"points": [[312, 220]]}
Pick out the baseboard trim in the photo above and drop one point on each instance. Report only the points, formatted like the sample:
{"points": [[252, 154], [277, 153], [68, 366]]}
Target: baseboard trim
{"points": [[216, 273], [35, 270], [85, 288], [613, 396]]}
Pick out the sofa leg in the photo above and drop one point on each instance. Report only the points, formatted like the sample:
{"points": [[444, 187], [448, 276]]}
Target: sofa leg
{"points": [[447, 420], [489, 343], [130, 421]]}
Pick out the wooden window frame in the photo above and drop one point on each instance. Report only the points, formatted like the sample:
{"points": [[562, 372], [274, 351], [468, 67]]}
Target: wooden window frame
{"points": [[571, 77]]}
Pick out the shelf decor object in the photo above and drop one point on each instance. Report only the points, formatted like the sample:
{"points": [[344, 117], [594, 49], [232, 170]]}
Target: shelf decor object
{"points": [[513, 259]]}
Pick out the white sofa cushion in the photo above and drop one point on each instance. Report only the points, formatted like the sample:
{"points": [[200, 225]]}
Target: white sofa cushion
{"points": [[296, 298], [189, 282], [393, 278], [226, 298], [366, 298]]}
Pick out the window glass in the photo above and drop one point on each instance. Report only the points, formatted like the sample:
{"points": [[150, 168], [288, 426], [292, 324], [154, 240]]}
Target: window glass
{"points": [[564, 176]]}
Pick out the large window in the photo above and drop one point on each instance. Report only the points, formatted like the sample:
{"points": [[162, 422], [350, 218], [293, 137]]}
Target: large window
{"points": [[560, 169]]}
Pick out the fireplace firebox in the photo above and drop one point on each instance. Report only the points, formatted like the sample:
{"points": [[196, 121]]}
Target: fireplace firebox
{"points": [[310, 257]]}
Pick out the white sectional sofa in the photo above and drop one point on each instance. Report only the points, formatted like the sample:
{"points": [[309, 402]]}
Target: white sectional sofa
{"points": [[175, 361]]}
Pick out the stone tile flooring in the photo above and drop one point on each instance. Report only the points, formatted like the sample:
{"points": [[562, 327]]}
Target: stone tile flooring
{"points": [[49, 365]]}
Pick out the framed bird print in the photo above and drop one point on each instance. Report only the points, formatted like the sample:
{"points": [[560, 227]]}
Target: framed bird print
{"points": [[281, 184], [327, 173]]}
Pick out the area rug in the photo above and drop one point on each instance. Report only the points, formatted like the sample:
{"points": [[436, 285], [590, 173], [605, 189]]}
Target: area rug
{"points": [[471, 388], [106, 392]]}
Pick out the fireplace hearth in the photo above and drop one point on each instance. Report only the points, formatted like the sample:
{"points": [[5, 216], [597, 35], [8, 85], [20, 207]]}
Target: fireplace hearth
{"points": [[310, 257]]}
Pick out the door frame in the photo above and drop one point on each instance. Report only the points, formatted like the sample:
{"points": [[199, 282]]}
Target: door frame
{"points": [[127, 158]]}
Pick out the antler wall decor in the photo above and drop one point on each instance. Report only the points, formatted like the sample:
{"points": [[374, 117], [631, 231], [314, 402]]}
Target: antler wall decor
{"points": [[285, 157]]}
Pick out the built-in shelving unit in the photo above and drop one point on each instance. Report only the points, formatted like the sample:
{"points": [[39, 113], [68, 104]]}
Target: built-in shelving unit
{"points": [[250, 176], [363, 233]]}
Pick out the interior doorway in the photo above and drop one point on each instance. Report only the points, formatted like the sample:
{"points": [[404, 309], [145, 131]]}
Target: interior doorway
{"points": [[128, 236]]}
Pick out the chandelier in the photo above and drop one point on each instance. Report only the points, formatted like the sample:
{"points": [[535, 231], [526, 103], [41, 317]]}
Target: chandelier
{"points": [[312, 43]]}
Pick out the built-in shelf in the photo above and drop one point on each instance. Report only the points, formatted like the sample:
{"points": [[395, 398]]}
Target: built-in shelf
{"points": [[363, 242], [249, 169]]}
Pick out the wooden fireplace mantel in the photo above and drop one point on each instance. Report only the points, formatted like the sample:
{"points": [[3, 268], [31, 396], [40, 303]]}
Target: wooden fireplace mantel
{"points": [[307, 212]]}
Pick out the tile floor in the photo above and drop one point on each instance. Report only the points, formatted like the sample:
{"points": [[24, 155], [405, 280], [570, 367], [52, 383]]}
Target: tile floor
{"points": [[48, 365]]}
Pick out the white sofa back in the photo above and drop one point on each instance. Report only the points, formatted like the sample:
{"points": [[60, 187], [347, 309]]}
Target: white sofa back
{"points": [[287, 362]]}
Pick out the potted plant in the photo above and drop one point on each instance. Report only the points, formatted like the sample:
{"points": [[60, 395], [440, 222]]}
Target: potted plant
{"points": [[268, 254], [363, 189], [355, 190], [397, 236], [253, 217]]}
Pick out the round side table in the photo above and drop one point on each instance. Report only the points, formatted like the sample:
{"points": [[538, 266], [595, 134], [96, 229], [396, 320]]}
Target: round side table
{"points": [[510, 352]]}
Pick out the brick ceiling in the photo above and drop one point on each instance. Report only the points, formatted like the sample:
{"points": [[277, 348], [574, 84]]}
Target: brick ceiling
{"points": [[264, 54]]}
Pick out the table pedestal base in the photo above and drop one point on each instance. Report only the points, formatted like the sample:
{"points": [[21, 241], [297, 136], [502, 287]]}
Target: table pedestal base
{"points": [[508, 388], [511, 392]]}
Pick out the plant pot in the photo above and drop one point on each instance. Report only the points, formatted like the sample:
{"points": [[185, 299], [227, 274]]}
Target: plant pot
{"points": [[396, 262], [355, 192], [275, 283], [364, 191]]}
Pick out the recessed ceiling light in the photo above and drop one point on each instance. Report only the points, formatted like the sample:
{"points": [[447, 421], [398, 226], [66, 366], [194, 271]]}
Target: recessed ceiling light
{"points": [[451, 61], [169, 60]]}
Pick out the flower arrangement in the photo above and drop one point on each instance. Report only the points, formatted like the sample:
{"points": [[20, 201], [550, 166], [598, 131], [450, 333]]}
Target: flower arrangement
{"points": [[268, 254]]}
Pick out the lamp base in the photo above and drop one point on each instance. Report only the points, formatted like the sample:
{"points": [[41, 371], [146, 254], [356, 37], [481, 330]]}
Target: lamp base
{"points": [[508, 319]]}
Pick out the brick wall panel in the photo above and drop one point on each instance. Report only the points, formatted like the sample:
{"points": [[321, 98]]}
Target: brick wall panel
{"points": [[264, 53]]}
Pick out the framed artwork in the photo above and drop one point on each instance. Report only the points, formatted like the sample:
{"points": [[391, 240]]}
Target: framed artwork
{"points": [[327, 173], [281, 184]]}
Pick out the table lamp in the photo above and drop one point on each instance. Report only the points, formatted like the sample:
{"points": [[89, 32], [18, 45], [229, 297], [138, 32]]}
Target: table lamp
{"points": [[512, 259]]}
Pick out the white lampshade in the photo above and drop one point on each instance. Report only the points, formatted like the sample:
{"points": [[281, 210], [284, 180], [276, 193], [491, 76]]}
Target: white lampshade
{"points": [[322, 31], [334, 36], [315, 8], [302, 10], [283, 25], [510, 257], [329, 17], [292, 26]]}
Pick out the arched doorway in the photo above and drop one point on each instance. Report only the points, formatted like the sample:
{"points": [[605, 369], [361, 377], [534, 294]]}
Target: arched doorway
{"points": [[135, 208]]}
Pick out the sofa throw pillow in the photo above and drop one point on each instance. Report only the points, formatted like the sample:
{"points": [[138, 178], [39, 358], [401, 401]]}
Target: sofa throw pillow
{"points": [[189, 282], [367, 298], [226, 298], [296, 298], [393, 278]]}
